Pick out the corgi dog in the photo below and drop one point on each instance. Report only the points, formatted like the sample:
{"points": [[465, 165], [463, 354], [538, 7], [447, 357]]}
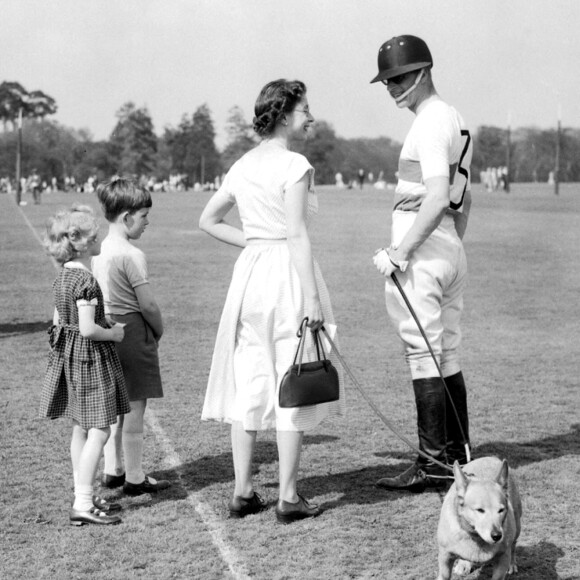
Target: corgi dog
{"points": [[480, 519]]}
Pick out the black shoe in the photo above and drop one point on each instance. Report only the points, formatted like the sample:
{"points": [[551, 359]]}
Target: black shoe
{"points": [[240, 507], [92, 516], [415, 479], [287, 512], [112, 481], [146, 486], [106, 506]]}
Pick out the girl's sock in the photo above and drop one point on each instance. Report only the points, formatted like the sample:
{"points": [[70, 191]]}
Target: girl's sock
{"points": [[133, 452], [83, 498]]}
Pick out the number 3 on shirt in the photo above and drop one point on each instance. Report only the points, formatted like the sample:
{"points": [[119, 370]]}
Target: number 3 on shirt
{"points": [[461, 182]]}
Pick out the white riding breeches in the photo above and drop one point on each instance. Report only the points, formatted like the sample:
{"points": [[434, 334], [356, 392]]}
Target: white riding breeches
{"points": [[433, 283]]}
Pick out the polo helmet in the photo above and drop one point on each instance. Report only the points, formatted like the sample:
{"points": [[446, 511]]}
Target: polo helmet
{"points": [[402, 54]]}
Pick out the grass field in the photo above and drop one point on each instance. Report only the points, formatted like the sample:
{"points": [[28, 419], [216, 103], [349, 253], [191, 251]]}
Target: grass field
{"points": [[520, 357]]}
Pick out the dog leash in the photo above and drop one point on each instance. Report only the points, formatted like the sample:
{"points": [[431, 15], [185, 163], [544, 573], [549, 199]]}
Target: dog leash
{"points": [[376, 409], [424, 335]]}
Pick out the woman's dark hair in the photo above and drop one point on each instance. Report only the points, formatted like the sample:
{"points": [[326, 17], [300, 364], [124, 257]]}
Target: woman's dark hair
{"points": [[275, 100]]}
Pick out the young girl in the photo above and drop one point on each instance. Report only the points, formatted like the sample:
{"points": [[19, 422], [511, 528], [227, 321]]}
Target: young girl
{"points": [[84, 380]]}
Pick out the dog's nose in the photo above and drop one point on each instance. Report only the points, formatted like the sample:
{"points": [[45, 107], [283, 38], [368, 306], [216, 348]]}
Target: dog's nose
{"points": [[496, 537]]}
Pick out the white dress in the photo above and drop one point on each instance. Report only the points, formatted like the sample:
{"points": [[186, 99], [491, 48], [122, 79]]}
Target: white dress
{"points": [[256, 339]]}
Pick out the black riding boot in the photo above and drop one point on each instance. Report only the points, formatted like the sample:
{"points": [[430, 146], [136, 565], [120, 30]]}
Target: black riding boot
{"points": [[455, 438], [430, 401]]}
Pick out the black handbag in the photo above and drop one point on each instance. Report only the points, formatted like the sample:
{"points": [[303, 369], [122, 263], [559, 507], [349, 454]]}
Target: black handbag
{"points": [[309, 383]]}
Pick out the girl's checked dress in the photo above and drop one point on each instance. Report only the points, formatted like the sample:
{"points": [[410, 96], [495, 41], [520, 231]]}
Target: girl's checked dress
{"points": [[84, 380]]}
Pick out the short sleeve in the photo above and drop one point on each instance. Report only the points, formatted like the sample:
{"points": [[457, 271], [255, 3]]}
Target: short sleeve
{"points": [[87, 291], [225, 187], [135, 267], [297, 168], [434, 147]]}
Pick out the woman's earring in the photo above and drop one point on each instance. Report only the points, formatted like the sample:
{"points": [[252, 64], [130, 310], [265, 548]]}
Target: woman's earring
{"points": [[284, 122]]}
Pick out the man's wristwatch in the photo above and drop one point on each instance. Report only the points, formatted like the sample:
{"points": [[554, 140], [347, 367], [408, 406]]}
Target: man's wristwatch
{"points": [[401, 264]]}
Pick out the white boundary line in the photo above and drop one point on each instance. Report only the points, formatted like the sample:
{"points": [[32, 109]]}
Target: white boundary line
{"points": [[212, 521], [35, 233]]}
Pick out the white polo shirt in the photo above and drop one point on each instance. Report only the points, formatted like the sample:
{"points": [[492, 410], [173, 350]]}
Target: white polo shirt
{"points": [[437, 145]]}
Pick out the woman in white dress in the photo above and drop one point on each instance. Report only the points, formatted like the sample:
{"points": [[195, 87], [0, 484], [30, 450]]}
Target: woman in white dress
{"points": [[275, 284]]}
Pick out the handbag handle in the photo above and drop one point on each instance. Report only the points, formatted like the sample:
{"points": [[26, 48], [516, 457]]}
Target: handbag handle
{"points": [[301, 333]]}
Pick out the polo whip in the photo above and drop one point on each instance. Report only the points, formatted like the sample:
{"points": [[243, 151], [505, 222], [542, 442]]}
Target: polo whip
{"points": [[424, 335], [375, 408]]}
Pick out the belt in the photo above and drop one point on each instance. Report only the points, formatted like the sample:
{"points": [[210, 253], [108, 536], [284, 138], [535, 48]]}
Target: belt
{"points": [[55, 332], [264, 241]]}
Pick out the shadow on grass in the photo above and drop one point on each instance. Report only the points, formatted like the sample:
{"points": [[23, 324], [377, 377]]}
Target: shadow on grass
{"points": [[358, 486], [210, 469], [535, 451], [14, 329], [519, 454], [354, 487], [539, 561], [536, 562]]}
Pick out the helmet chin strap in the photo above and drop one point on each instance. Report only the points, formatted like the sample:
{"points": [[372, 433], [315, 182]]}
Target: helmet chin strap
{"points": [[411, 88]]}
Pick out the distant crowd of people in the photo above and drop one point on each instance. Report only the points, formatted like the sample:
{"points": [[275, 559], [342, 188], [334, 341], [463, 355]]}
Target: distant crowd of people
{"points": [[361, 178], [36, 186], [494, 178]]}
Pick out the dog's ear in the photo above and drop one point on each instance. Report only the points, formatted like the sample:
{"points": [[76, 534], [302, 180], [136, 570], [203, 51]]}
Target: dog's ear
{"points": [[502, 476], [460, 480]]}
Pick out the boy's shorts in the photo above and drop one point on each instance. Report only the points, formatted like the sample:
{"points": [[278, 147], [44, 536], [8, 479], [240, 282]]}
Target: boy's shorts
{"points": [[139, 358]]}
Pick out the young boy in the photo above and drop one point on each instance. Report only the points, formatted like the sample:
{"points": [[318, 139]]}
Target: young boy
{"points": [[121, 270]]}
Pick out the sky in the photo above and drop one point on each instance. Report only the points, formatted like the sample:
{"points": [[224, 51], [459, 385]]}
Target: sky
{"points": [[498, 62]]}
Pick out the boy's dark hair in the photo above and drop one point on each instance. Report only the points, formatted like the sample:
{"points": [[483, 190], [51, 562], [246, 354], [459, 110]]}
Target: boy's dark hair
{"points": [[121, 194]]}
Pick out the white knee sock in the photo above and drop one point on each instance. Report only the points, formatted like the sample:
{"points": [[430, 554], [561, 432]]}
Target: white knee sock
{"points": [[133, 452], [83, 498]]}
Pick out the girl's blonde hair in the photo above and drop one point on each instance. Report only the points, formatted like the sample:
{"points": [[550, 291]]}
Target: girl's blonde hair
{"points": [[69, 231]]}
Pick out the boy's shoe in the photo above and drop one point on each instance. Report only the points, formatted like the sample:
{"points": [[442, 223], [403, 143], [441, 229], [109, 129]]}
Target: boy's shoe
{"points": [[148, 485], [112, 481], [106, 506], [240, 507]]}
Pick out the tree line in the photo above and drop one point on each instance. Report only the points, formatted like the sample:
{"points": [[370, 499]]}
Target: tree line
{"points": [[189, 149]]}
